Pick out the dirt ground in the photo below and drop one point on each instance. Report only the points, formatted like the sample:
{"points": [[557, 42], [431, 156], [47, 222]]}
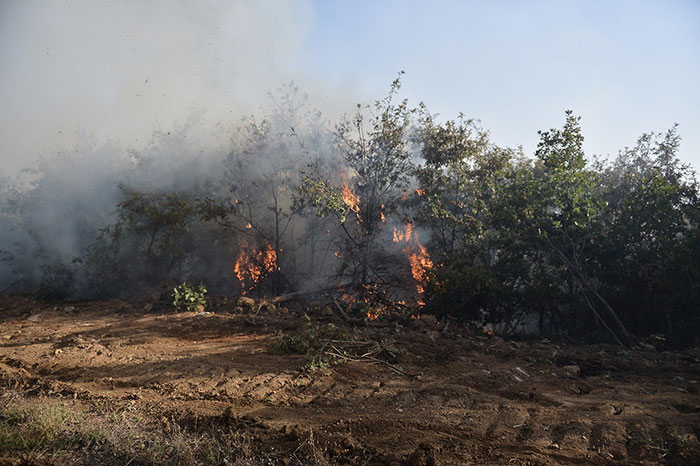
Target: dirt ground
{"points": [[449, 395]]}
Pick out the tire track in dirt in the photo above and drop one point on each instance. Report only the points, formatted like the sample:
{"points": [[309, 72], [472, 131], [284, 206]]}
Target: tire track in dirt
{"points": [[475, 399]]}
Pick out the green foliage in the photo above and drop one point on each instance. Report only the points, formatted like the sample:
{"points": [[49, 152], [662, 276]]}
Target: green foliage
{"points": [[308, 341], [457, 182], [650, 254], [190, 297], [595, 251], [150, 240], [375, 169], [608, 250], [562, 149], [466, 287], [322, 194], [312, 341]]}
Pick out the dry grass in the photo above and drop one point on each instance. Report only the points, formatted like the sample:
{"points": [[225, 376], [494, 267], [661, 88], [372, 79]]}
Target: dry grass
{"points": [[50, 431]]}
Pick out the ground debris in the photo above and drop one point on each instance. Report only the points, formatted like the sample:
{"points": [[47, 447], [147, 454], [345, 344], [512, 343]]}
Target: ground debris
{"points": [[393, 395]]}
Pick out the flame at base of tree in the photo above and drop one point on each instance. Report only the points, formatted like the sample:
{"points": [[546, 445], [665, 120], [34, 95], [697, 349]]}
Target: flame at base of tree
{"points": [[417, 256], [420, 265], [252, 267]]}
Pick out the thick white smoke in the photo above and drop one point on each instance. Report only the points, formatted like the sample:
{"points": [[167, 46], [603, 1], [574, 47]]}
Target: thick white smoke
{"points": [[119, 70], [145, 94]]}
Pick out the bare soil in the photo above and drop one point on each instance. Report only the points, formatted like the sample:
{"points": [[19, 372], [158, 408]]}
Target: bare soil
{"points": [[455, 396]]}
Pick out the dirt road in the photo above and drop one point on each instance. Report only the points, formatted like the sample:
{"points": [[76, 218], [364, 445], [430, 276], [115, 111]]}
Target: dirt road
{"points": [[447, 395]]}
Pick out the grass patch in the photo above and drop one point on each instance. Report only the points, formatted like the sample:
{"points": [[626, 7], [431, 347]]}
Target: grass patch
{"points": [[50, 431], [39, 428]]}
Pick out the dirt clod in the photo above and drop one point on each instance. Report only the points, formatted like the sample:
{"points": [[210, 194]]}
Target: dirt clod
{"points": [[571, 371]]}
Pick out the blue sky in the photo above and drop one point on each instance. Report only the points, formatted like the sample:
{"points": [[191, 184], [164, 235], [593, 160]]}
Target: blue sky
{"points": [[626, 67], [116, 71]]}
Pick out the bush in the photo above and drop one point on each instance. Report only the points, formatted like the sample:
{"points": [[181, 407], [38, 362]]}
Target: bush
{"points": [[190, 298]]}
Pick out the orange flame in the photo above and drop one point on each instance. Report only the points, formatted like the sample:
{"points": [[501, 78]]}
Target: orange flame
{"points": [[351, 199], [249, 226], [252, 267], [420, 192], [405, 236], [420, 265], [417, 255]]}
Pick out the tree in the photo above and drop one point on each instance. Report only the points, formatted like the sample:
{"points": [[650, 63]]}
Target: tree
{"points": [[650, 257], [149, 241], [564, 219], [457, 181], [376, 163], [260, 179]]}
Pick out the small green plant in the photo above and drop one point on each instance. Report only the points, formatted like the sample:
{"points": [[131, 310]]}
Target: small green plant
{"points": [[190, 298], [309, 341]]}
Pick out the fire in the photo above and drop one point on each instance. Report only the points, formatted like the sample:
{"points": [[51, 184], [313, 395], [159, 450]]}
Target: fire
{"points": [[252, 267], [249, 226], [420, 192], [405, 236], [351, 199], [381, 214], [367, 300], [417, 255], [420, 265]]}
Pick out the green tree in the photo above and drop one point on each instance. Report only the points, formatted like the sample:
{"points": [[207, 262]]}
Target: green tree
{"points": [[460, 173], [650, 258], [260, 180], [563, 220], [374, 174], [149, 241]]}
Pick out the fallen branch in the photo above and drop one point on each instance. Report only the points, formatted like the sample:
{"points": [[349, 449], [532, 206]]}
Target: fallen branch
{"points": [[341, 310], [367, 358]]}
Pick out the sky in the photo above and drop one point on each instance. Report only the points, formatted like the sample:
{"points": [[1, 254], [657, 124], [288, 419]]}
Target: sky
{"points": [[119, 70]]}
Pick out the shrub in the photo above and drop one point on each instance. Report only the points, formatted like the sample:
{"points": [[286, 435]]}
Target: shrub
{"points": [[190, 298]]}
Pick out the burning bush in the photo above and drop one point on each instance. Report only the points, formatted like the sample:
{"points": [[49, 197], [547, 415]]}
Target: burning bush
{"points": [[253, 266]]}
